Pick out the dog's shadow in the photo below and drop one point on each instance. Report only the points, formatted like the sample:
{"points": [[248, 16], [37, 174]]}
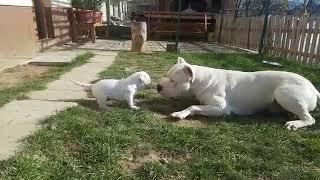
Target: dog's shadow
{"points": [[164, 107]]}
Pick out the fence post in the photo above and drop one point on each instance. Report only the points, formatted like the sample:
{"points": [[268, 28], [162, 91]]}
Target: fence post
{"points": [[265, 25], [178, 26], [221, 22], [249, 33]]}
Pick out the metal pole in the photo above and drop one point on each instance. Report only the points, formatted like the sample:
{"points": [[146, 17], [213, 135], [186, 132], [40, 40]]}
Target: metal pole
{"points": [[107, 2], [178, 26], [265, 25]]}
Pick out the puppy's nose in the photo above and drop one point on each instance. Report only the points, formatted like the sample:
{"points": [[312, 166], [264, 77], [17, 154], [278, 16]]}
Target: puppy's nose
{"points": [[159, 87]]}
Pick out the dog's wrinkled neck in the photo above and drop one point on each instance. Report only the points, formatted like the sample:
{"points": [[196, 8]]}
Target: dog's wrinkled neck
{"points": [[198, 86]]}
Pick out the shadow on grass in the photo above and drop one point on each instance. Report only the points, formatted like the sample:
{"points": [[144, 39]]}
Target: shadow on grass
{"points": [[164, 107]]}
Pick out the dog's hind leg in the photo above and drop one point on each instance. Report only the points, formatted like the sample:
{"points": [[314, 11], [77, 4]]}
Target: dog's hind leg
{"points": [[298, 100]]}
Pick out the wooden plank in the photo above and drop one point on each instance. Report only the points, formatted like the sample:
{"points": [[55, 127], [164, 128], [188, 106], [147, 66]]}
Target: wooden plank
{"points": [[229, 30], [317, 54], [308, 39], [283, 34], [314, 41], [278, 35], [249, 33], [217, 27], [239, 32], [269, 39], [293, 38], [253, 33], [298, 38], [302, 39], [230, 26], [288, 35]]}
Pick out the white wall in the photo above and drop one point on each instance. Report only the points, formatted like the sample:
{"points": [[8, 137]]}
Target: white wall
{"points": [[104, 12], [16, 2], [54, 3], [61, 3]]}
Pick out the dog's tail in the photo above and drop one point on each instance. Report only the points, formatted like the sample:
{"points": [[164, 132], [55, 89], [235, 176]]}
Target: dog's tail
{"points": [[318, 96], [86, 87]]}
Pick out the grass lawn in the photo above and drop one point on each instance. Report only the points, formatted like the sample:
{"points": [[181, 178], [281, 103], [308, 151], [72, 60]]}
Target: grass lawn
{"points": [[83, 142], [18, 91]]}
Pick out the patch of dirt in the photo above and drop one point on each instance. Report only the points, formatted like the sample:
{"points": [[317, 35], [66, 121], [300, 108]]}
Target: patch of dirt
{"points": [[13, 76], [182, 123], [72, 147], [190, 123], [132, 162]]}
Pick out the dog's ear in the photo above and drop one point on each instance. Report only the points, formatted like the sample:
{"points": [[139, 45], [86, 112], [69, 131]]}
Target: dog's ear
{"points": [[188, 70], [181, 60]]}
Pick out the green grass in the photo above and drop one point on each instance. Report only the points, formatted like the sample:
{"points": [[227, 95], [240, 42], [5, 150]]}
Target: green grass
{"points": [[83, 142], [19, 91]]}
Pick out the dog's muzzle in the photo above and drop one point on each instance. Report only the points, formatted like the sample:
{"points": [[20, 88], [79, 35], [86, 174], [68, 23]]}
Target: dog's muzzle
{"points": [[159, 87]]}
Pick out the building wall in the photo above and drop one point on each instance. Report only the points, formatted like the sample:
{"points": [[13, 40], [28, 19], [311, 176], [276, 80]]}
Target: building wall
{"points": [[17, 32], [27, 3]]}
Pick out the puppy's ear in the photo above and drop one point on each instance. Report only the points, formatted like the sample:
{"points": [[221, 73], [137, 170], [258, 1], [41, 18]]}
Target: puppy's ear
{"points": [[144, 79], [181, 60], [188, 71]]}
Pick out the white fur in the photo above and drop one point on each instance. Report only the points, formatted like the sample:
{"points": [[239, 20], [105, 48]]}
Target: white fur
{"points": [[120, 90], [222, 92]]}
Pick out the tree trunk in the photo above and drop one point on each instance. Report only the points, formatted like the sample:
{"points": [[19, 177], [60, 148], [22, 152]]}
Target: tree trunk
{"points": [[139, 36]]}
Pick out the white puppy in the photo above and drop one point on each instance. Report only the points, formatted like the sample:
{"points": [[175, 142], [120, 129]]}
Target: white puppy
{"points": [[222, 92], [120, 90]]}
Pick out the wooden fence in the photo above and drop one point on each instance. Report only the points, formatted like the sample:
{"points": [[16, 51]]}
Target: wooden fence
{"points": [[295, 38], [243, 32]]}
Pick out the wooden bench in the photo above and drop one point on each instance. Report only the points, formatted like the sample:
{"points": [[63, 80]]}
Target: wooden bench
{"points": [[165, 23]]}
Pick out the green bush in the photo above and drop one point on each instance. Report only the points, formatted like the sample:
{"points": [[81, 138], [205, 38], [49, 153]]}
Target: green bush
{"points": [[87, 4]]}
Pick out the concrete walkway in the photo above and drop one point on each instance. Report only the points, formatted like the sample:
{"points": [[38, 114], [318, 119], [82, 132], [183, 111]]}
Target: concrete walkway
{"points": [[154, 46], [21, 118]]}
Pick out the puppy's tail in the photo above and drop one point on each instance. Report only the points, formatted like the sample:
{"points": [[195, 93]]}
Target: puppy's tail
{"points": [[86, 87]]}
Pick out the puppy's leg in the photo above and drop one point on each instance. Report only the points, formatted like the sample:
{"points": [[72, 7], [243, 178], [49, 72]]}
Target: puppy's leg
{"points": [[102, 104], [216, 109], [298, 100], [130, 100], [102, 101]]}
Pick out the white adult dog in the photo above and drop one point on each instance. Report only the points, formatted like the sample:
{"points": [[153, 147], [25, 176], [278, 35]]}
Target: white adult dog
{"points": [[120, 90], [223, 92]]}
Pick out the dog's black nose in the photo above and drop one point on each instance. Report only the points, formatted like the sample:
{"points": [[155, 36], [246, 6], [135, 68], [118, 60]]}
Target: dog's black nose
{"points": [[159, 87]]}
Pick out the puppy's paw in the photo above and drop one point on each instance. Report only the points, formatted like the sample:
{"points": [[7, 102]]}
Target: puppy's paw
{"points": [[135, 107], [181, 114]]}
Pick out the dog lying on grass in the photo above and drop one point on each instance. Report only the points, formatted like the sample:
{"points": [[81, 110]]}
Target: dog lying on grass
{"points": [[120, 90], [224, 92]]}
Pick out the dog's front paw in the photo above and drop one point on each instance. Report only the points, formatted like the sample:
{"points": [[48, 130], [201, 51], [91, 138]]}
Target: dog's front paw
{"points": [[294, 125], [181, 114], [135, 107]]}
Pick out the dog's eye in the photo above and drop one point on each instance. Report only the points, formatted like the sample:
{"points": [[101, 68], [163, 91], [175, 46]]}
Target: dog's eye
{"points": [[171, 80]]}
